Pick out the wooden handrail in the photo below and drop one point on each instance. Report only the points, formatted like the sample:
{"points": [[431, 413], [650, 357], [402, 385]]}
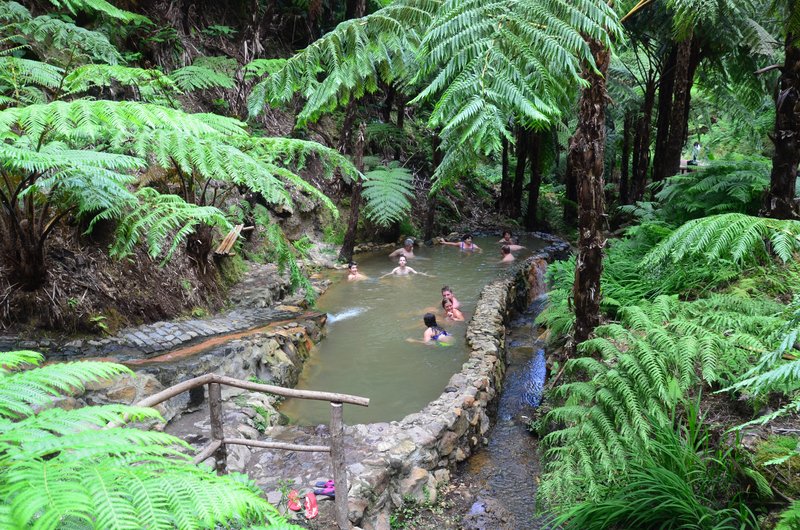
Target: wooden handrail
{"points": [[218, 446], [189, 384]]}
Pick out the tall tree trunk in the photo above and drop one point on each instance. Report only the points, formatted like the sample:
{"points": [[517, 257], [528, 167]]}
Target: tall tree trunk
{"points": [[346, 252], [535, 157], [678, 119], [586, 151], [570, 191], [430, 214], [624, 172], [779, 202], [641, 144], [523, 145], [666, 85], [388, 103], [505, 181]]}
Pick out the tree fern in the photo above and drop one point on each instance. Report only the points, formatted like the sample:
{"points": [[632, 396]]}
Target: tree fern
{"points": [[101, 6], [741, 238], [157, 218], [194, 77], [638, 371], [67, 468], [387, 191]]}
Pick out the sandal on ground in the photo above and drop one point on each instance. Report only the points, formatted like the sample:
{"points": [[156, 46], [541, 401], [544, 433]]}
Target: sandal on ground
{"points": [[312, 510], [324, 484], [292, 502], [328, 492]]}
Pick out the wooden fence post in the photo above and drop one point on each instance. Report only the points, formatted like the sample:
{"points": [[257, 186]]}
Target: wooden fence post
{"points": [[339, 465], [217, 433]]}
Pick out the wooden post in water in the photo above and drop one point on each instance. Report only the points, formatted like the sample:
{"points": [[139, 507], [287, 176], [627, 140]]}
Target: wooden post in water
{"points": [[217, 434], [339, 465]]}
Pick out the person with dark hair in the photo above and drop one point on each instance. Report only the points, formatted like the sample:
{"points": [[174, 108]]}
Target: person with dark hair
{"points": [[507, 255], [353, 274], [433, 331], [509, 241], [406, 250], [447, 294], [451, 313], [465, 245]]}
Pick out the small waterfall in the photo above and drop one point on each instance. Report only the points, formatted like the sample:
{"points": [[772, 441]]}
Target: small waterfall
{"points": [[537, 279]]}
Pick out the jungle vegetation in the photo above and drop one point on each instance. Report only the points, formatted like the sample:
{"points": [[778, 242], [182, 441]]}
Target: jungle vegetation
{"points": [[677, 320]]}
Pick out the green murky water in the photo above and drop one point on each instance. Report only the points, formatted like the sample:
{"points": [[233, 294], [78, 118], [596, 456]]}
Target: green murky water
{"points": [[366, 352]]}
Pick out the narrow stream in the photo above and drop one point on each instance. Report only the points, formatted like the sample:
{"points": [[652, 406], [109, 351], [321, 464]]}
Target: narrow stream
{"points": [[366, 351], [506, 471]]}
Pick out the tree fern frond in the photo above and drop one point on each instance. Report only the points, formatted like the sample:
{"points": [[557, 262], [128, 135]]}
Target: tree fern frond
{"points": [[388, 191], [156, 217]]}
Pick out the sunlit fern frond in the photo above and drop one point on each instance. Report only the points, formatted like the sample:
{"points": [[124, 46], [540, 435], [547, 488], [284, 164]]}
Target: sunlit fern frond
{"points": [[387, 191]]}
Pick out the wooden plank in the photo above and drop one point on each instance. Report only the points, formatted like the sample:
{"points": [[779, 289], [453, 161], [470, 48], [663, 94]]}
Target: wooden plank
{"points": [[217, 434], [339, 466], [278, 445]]}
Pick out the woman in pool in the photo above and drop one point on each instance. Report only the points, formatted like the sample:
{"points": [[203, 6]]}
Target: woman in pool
{"points": [[465, 244], [402, 269], [434, 333], [451, 313], [353, 274]]}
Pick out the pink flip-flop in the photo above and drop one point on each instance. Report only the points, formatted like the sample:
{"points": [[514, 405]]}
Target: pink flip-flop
{"points": [[312, 510], [292, 501]]}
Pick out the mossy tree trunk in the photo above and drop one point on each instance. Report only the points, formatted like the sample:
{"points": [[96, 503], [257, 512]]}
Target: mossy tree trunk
{"points": [[514, 207], [586, 151], [346, 252], [641, 143], [779, 202], [624, 171]]}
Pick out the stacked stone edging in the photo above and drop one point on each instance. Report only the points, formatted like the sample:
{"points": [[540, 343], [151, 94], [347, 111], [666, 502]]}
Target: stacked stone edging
{"points": [[420, 450]]}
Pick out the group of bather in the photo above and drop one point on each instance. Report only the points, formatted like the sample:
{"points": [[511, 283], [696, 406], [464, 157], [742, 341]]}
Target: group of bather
{"points": [[450, 305]]}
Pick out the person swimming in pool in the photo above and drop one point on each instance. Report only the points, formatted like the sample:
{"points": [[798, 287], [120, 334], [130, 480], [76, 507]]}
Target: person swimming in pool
{"points": [[505, 251], [403, 269], [406, 250], [353, 274], [433, 332], [465, 245], [450, 313], [509, 241], [447, 294]]}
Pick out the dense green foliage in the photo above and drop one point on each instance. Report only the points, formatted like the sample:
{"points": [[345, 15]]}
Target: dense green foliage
{"points": [[84, 468]]}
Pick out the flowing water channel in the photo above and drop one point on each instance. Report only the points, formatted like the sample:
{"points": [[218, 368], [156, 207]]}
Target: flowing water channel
{"points": [[366, 351], [505, 472]]}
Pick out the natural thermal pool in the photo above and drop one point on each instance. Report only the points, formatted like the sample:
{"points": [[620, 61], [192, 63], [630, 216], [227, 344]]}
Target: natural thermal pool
{"points": [[366, 352]]}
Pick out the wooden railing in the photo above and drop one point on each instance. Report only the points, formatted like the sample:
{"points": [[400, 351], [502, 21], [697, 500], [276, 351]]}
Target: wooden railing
{"points": [[218, 446]]}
